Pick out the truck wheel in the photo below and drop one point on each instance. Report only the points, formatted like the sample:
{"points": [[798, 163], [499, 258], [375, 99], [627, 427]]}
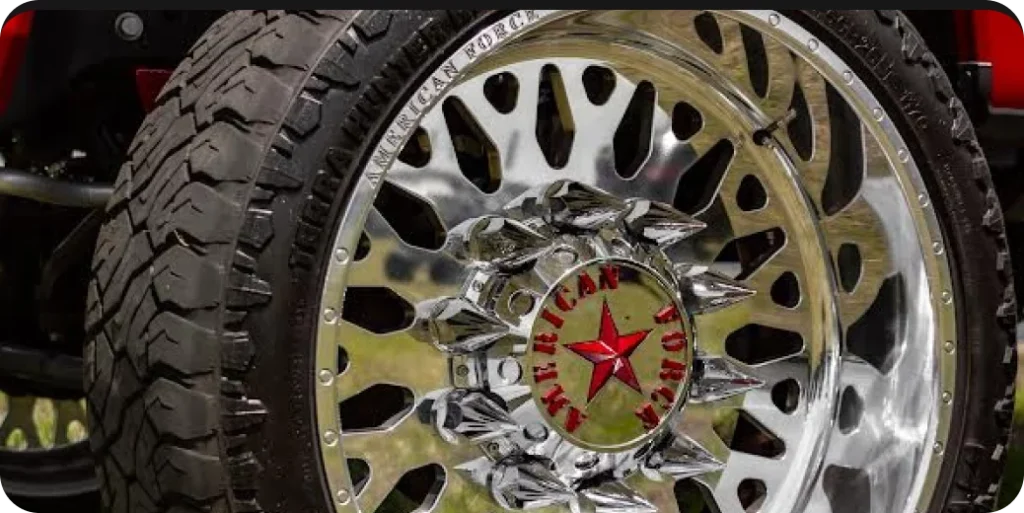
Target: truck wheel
{"points": [[723, 260]]}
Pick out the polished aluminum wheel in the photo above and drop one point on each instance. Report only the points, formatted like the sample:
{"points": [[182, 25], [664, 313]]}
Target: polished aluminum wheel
{"points": [[637, 261]]}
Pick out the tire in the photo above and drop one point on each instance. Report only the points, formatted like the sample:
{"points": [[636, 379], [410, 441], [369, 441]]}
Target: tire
{"points": [[203, 306]]}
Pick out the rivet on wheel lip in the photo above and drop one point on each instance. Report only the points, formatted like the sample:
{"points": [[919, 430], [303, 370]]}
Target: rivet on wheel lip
{"points": [[848, 76], [938, 448], [937, 248], [878, 113], [949, 346], [326, 377], [812, 45], [947, 298], [342, 496], [922, 199], [330, 315], [330, 438], [947, 397], [903, 155], [341, 255], [773, 19]]}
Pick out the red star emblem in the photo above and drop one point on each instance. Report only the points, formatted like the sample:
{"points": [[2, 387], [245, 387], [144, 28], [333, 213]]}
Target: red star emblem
{"points": [[610, 354]]}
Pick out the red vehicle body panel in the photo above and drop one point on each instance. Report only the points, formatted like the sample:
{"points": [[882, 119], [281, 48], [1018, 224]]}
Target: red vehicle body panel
{"points": [[13, 39], [996, 38]]}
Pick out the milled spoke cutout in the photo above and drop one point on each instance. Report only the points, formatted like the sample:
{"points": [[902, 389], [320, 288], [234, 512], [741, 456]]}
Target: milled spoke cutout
{"points": [[850, 266], [755, 344], [786, 395], [363, 250], [632, 142], [417, 490], [413, 218], [686, 121], [786, 290], [377, 309], [874, 336], [751, 195], [599, 83], [757, 60], [359, 473], [478, 157], [709, 31], [555, 128], [743, 256], [693, 497], [699, 184], [846, 167], [752, 494], [750, 437], [851, 409], [416, 151], [502, 91], [376, 408], [847, 489]]}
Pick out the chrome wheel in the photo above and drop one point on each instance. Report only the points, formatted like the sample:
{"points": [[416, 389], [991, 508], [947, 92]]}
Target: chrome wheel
{"points": [[774, 318]]}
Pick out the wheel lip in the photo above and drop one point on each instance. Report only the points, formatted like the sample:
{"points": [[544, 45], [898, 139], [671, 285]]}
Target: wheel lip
{"points": [[802, 43]]}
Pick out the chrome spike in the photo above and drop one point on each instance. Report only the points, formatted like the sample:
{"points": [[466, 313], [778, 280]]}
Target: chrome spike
{"points": [[473, 415], [528, 483], [458, 326], [720, 379], [659, 223], [681, 458], [504, 242], [568, 203], [712, 291], [478, 470], [530, 204], [615, 497]]}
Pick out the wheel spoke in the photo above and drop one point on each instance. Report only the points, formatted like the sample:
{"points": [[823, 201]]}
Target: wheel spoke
{"points": [[461, 495], [374, 359], [862, 225], [764, 308], [742, 467], [414, 273], [451, 194], [725, 220], [390, 454], [813, 172], [782, 73]]}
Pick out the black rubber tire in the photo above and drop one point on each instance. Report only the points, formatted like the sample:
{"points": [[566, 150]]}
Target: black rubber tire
{"points": [[203, 307]]}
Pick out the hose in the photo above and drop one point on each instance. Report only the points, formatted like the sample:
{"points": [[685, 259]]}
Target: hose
{"points": [[22, 184]]}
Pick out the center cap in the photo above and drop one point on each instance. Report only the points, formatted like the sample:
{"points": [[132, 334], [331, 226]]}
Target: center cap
{"points": [[610, 355]]}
